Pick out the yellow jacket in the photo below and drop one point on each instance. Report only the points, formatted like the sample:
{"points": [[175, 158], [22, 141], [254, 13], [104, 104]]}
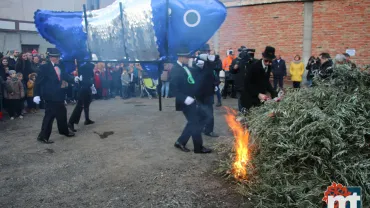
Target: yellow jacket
{"points": [[296, 71]]}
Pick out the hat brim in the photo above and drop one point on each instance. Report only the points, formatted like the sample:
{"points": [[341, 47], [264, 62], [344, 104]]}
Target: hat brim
{"points": [[270, 57], [54, 54]]}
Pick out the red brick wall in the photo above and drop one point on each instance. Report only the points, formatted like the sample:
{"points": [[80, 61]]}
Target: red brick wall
{"points": [[279, 25], [338, 25]]}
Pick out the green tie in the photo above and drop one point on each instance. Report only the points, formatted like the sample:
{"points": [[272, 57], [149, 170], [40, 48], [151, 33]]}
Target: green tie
{"points": [[190, 77]]}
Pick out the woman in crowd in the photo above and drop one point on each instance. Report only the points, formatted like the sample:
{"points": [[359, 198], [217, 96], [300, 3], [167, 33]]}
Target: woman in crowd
{"points": [[296, 71], [23, 65], [5, 68]]}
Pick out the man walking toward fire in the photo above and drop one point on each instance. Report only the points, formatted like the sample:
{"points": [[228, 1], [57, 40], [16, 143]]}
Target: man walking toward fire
{"points": [[48, 85], [257, 81], [186, 84]]}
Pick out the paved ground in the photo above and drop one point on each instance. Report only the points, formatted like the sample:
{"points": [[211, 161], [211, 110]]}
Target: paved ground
{"points": [[137, 166]]}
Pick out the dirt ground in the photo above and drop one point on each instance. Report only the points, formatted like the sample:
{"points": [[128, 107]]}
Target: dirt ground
{"points": [[137, 166]]}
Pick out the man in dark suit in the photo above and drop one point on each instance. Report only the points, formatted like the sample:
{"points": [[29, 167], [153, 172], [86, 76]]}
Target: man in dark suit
{"points": [[279, 72], [48, 85], [186, 86], [86, 87], [257, 80]]}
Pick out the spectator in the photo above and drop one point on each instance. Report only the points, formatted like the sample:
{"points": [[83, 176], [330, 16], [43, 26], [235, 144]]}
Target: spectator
{"points": [[228, 76], [296, 71], [23, 66], [311, 67], [14, 54], [125, 80], [349, 62], [15, 96], [29, 56], [326, 68], [5, 68], [340, 59], [279, 72], [35, 65], [20, 78], [30, 94], [165, 79]]}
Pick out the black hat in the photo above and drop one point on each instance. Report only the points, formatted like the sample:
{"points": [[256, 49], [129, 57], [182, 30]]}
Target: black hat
{"points": [[183, 52], [269, 53], [205, 47], [53, 52]]}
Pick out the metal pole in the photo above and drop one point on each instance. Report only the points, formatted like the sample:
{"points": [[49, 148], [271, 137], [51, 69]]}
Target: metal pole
{"points": [[123, 29], [167, 26], [159, 88], [87, 31], [161, 65]]}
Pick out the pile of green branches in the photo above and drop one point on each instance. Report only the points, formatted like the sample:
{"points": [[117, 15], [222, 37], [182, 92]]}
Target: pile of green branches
{"points": [[317, 136]]}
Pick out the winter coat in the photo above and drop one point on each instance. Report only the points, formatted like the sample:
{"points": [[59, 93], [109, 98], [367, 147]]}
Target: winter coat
{"points": [[30, 88], [17, 89], [125, 79], [23, 67], [4, 87], [326, 69], [296, 71], [97, 79], [4, 72], [279, 68]]}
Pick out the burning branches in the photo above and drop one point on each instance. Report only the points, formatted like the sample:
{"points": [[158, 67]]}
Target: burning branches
{"points": [[241, 136]]}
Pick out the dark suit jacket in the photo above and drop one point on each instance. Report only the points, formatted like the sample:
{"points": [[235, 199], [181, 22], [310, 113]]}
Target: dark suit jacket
{"points": [[87, 72], [47, 84], [279, 68], [256, 81], [180, 86]]}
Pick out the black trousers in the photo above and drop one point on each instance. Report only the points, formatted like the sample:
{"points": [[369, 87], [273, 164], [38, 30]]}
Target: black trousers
{"points": [[193, 128], [83, 103], [15, 107], [296, 84], [205, 113], [226, 88], [278, 79], [54, 110]]}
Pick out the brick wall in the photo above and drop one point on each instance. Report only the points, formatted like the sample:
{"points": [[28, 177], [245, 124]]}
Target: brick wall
{"points": [[279, 25], [338, 25]]}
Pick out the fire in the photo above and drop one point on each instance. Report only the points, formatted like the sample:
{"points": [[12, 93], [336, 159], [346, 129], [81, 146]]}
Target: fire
{"points": [[241, 136]]}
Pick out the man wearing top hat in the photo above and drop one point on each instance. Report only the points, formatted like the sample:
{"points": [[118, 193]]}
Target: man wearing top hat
{"points": [[257, 80], [186, 84], [86, 87], [48, 85]]}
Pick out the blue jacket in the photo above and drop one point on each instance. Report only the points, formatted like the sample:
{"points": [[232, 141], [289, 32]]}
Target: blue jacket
{"points": [[279, 68]]}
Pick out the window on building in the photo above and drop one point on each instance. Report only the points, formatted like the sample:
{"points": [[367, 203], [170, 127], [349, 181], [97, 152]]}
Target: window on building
{"points": [[29, 48]]}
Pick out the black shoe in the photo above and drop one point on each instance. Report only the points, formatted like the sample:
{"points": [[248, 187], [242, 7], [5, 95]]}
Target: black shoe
{"points": [[203, 151], [88, 122], [43, 140], [181, 147], [212, 134], [218, 105], [69, 134], [72, 127]]}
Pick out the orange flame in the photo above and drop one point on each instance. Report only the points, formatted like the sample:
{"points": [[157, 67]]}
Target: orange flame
{"points": [[241, 136]]}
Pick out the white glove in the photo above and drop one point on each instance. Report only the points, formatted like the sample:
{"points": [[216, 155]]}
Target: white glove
{"points": [[206, 57], [36, 100], [78, 79], [189, 101], [216, 88], [277, 99], [93, 90]]}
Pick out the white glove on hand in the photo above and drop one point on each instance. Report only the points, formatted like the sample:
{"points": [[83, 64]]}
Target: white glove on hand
{"points": [[78, 79], [93, 90], [216, 88], [206, 57], [189, 101], [36, 100]]}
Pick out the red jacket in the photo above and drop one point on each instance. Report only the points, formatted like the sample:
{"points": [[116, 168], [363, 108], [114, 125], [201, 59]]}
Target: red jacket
{"points": [[97, 80]]}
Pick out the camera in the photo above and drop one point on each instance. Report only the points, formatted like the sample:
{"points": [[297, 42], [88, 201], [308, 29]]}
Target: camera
{"points": [[245, 53]]}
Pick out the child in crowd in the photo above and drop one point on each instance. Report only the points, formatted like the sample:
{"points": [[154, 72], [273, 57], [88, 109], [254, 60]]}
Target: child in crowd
{"points": [[125, 80], [20, 78], [15, 95], [30, 87]]}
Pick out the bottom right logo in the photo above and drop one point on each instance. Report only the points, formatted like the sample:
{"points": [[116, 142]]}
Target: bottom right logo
{"points": [[339, 196]]}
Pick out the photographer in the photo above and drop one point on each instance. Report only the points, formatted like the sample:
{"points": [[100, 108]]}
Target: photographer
{"points": [[238, 69]]}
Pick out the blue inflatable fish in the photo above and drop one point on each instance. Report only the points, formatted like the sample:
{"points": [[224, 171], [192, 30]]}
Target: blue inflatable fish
{"points": [[139, 35]]}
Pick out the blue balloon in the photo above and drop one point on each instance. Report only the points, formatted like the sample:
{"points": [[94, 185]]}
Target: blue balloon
{"points": [[140, 35]]}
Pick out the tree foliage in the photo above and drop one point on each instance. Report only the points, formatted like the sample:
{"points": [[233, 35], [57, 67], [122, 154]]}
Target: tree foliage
{"points": [[317, 135]]}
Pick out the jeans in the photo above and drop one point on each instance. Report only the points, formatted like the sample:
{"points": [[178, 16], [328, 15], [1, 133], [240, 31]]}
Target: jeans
{"points": [[165, 88], [125, 91], [218, 93], [309, 82], [192, 129], [278, 79]]}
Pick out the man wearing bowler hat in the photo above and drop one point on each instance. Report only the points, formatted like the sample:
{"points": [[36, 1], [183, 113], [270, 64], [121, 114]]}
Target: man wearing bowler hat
{"points": [[257, 80], [49, 86], [186, 84]]}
